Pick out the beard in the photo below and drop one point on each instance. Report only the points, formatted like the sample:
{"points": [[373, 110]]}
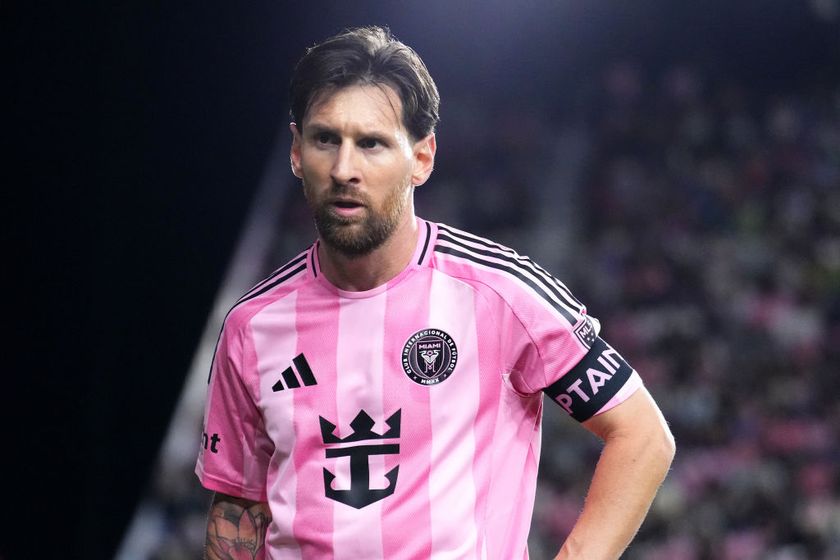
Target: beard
{"points": [[357, 236]]}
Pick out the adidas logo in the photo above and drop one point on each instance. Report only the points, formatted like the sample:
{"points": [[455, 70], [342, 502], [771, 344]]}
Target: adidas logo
{"points": [[290, 379]]}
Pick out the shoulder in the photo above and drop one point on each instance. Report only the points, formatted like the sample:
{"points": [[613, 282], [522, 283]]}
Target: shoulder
{"points": [[515, 278], [464, 254], [280, 284]]}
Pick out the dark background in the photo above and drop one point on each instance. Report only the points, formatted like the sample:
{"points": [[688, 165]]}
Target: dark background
{"points": [[136, 136]]}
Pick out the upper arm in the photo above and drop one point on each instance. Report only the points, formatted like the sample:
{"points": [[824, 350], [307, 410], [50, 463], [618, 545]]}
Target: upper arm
{"points": [[637, 416], [236, 449], [235, 524]]}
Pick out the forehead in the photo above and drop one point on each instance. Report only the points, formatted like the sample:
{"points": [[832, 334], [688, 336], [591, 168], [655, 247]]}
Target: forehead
{"points": [[369, 106]]}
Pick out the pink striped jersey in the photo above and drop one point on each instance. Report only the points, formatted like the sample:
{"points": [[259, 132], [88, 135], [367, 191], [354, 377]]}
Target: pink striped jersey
{"points": [[401, 422]]}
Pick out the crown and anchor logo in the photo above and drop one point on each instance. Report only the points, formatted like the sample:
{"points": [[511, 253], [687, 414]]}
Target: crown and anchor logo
{"points": [[360, 494]]}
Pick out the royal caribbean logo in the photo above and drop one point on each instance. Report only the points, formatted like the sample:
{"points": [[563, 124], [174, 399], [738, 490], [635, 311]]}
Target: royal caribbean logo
{"points": [[429, 356]]}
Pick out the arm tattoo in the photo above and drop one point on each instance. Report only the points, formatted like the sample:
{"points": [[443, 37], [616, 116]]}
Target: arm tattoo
{"points": [[236, 529]]}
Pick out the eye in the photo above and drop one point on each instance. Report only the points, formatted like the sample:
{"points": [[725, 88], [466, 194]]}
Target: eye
{"points": [[323, 138], [369, 143]]}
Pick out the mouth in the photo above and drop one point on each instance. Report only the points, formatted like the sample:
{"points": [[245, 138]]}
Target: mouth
{"points": [[347, 207], [347, 204]]}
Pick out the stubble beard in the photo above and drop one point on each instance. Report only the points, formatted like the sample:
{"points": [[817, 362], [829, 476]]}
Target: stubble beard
{"points": [[357, 237]]}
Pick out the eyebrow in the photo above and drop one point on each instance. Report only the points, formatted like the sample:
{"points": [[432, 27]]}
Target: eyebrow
{"points": [[364, 133]]}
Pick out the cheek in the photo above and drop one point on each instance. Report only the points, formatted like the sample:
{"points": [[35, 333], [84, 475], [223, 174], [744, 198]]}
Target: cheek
{"points": [[395, 174], [314, 164], [315, 182]]}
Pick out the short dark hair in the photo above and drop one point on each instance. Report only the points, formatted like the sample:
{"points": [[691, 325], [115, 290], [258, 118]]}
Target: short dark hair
{"points": [[367, 56]]}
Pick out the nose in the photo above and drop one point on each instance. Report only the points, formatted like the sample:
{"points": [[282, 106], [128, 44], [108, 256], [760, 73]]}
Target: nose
{"points": [[345, 170]]}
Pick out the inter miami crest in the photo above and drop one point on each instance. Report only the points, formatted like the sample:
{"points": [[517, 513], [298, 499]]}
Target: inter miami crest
{"points": [[429, 356]]}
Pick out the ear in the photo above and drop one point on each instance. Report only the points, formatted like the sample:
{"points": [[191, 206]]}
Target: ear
{"points": [[424, 159], [294, 155]]}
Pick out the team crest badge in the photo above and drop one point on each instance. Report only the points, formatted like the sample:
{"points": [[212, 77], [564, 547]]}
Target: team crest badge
{"points": [[429, 356]]}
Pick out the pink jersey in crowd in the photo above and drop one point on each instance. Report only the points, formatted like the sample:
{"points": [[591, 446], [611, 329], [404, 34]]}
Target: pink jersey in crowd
{"points": [[401, 422]]}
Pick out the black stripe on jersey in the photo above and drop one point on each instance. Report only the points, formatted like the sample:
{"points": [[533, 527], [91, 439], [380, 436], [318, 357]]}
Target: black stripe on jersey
{"points": [[274, 284], [281, 270], [425, 243], [546, 287], [314, 268], [256, 292], [463, 235], [539, 288], [547, 276], [588, 386]]}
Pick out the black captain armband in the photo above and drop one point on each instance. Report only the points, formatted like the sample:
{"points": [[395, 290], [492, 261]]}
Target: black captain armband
{"points": [[588, 386]]}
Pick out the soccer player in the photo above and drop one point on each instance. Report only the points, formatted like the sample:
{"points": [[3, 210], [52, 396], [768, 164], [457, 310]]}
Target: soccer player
{"points": [[380, 395]]}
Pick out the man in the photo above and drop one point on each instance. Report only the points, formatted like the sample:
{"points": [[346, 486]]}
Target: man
{"points": [[380, 395]]}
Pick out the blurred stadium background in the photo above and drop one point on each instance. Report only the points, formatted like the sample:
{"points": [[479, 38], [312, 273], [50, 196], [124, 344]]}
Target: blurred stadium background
{"points": [[676, 164]]}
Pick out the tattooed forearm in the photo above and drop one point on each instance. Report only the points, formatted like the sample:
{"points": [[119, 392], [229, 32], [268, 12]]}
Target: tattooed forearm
{"points": [[236, 529]]}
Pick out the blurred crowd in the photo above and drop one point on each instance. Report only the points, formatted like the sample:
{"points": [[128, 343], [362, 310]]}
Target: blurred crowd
{"points": [[699, 220], [710, 250]]}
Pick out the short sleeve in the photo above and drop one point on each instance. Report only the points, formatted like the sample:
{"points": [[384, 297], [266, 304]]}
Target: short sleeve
{"points": [[235, 450], [558, 350], [547, 340]]}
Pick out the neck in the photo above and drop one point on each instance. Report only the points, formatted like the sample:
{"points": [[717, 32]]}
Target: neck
{"points": [[361, 273]]}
